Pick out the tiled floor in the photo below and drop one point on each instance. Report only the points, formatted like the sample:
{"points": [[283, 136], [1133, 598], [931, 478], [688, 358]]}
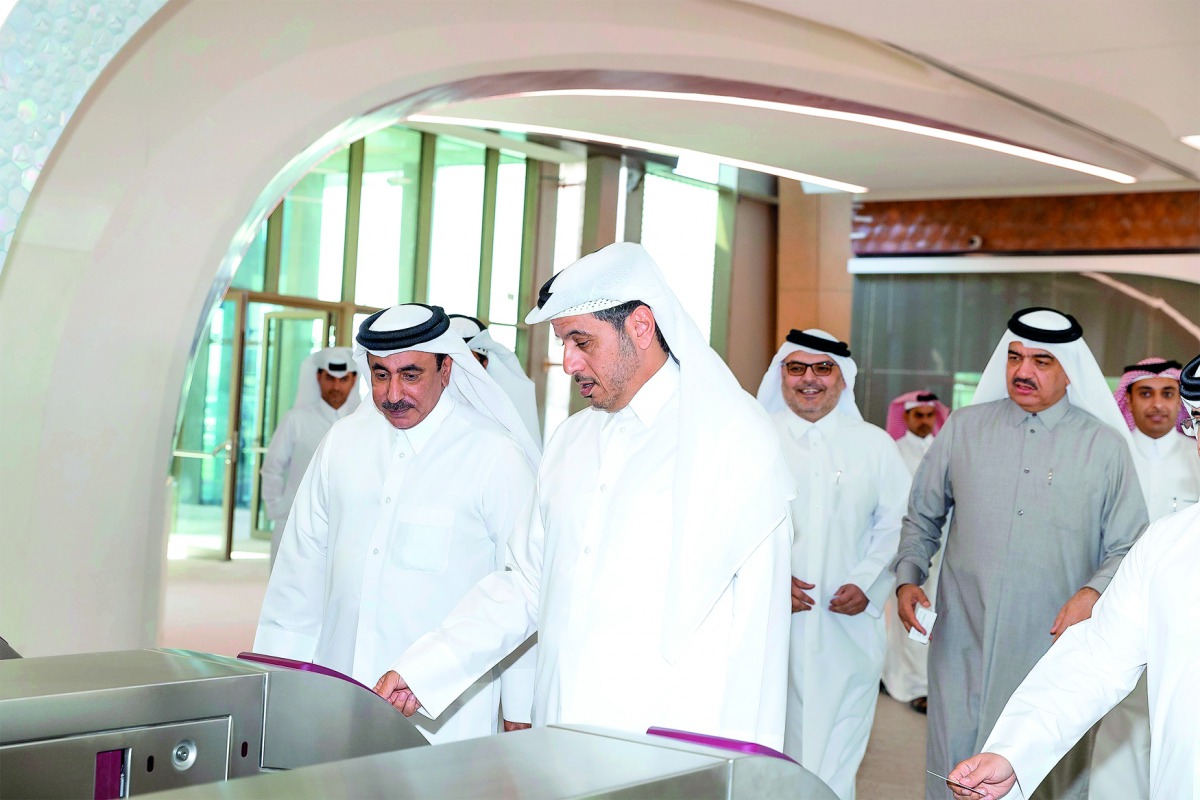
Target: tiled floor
{"points": [[213, 606]]}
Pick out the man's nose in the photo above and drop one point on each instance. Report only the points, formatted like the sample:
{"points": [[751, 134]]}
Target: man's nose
{"points": [[395, 390], [572, 363]]}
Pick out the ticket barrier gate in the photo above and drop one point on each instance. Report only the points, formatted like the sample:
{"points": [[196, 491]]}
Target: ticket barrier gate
{"points": [[110, 725], [192, 725], [547, 763]]}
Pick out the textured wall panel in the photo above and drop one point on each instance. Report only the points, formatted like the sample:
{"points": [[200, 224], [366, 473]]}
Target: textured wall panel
{"points": [[1153, 221], [51, 52]]}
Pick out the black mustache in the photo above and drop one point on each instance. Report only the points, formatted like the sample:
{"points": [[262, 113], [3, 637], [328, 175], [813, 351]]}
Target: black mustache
{"points": [[1024, 382], [401, 406]]}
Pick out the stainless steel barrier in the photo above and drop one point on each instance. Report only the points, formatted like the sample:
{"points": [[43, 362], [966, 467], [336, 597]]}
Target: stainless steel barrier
{"points": [[107, 725], [538, 764]]}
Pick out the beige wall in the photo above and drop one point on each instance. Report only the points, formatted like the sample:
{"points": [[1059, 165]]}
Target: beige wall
{"points": [[814, 285], [751, 341]]}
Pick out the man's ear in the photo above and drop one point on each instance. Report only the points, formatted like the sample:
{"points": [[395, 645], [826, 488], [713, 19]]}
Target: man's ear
{"points": [[641, 325], [444, 372]]}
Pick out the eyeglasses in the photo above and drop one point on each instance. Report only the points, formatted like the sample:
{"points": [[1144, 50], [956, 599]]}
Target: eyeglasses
{"points": [[1191, 423], [797, 368]]}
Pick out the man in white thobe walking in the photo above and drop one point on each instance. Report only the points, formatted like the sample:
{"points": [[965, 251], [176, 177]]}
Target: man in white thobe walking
{"points": [[407, 503], [325, 392], [852, 488], [1169, 474], [503, 367], [914, 418], [654, 565]]}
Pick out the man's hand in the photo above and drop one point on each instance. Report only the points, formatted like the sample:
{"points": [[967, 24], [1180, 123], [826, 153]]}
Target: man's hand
{"points": [[1077, 609], [848, 600], [907, 597], [391, 687], [801, 601], [990, 776], [509, 727]]}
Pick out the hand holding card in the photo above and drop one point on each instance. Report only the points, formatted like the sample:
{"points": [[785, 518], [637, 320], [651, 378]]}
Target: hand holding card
{"points": [[925, 616]]}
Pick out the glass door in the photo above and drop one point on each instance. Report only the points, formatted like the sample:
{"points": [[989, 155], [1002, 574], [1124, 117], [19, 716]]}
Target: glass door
{"points": [[202, 453], [252, 352], [282, 340]]}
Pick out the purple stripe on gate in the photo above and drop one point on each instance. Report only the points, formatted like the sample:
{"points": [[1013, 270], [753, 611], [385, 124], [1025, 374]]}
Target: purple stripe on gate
{"points": [[751, 748], [110, 768]]}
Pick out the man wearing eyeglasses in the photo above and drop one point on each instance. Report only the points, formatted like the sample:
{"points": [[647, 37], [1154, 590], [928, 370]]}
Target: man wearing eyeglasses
{"points": [[852, 489], [1046, 503], [1145, 622]]}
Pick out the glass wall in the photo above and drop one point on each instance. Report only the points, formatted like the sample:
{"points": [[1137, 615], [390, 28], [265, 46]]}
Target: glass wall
{"points": [[938, 331], [507, 239], [314, 232], [387, 232], [400, 216], [568, 237], [456, 240], [679, 229], [344, 242]]}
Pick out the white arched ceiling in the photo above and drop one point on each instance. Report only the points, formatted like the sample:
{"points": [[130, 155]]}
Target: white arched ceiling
{"points": [[125, 241]]}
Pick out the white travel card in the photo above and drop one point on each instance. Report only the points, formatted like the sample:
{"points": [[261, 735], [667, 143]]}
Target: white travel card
{"points": [[925, 616]]}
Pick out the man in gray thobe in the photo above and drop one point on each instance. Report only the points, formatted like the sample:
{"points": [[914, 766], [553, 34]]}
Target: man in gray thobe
{"points": [[1046, 503]]}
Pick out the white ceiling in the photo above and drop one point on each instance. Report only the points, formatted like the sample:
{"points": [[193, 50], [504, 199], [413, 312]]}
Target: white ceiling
{"points": [[1110, 83]]}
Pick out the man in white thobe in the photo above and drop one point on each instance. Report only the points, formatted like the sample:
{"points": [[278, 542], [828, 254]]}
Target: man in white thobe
{"points": [[914, 418], [407, 503], [504, 367], [326, 392], [1148, 396], [1169, 474], [654, 565], [1146, 621], [852, 488]]}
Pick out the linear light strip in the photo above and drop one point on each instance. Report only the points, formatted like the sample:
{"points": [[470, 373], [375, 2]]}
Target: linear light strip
{"points": [[637, 144], [1191, 141], [847, 116]]}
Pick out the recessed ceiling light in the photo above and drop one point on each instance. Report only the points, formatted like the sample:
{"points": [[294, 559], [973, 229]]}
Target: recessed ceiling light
{"points": [[637, 144], [983, 142]]}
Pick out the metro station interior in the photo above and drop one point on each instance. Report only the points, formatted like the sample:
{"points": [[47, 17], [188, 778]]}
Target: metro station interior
{"points": [[196, 194]]}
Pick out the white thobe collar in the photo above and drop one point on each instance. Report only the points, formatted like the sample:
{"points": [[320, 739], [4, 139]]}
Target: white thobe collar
{"points": [[420, 434], [1153, 449], [827, 425], [652, 397], [923, 442], [329, 412]]}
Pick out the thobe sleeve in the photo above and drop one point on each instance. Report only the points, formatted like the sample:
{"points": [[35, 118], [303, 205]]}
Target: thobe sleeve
{"points": [[290, 621], [506, 504], [1092, 666], [929, 505], [493, 619], [755, 699], [275, 467], [882, 536], [1122, 519]]}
